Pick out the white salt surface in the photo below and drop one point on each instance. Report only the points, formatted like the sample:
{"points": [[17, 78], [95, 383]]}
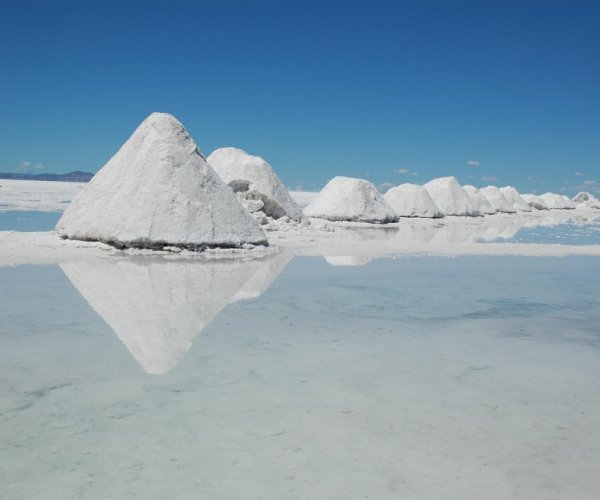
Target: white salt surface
{"points": [[254, 179], [483, 205], [412, 200], [157, 191], [451, 198], [515, 198], [586, 199], [498, 200], [41, 196], [557, 201], [349, 199], [534, 201]]}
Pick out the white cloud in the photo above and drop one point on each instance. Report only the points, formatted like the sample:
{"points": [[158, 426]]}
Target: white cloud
{"points": [[27, 166], [470, 176], [590, 183], [578, 174], [405, 171], [489, 178], [473, 163]]}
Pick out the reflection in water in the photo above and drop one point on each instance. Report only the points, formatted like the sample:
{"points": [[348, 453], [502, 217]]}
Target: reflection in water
{"points": [[347, 260], [158, 307]]}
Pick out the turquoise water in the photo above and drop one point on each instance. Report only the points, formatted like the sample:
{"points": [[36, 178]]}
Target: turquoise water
{"points": [[413, 378], [28, 221]]}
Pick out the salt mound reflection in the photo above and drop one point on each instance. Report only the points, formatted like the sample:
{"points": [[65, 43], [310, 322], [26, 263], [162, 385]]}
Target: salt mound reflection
{"points": [[157, 307]]}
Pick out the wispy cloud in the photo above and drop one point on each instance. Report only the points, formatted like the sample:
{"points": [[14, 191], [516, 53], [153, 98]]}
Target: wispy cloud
{"points": [[27, 166], [406, 171], [473, 163], [579, 174], [470, 176], [589, 183], [489, 178]]}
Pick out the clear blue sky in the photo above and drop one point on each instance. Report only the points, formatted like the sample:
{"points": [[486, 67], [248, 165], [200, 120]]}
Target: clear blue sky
{"points": [[373, 89]]}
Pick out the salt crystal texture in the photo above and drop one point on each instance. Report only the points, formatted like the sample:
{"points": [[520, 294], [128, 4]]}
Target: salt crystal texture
{"points": [[515, 198], [253, 177], [349, 199], [586, 199], [557, 201], [498, 200], [412, 200], [534, 201], [483, 204], [451, 198], [159, 191]]}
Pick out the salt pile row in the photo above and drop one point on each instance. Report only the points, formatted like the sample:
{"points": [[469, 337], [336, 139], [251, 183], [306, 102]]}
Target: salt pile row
{"points": [[357, 200], [159, 191]]}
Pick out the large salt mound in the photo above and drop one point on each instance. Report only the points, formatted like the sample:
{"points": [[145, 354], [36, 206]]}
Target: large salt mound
{"points": [[412, 200], [254, 178], [515, 198], [482, 203], [557, 201], [451, 198], [348, 199], [534, 201], [159, 191], [585, 199], [498, 200]]}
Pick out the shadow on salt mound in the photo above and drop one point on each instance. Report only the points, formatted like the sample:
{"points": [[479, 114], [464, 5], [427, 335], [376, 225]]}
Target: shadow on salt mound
{"points": [[451, 198], [254, 179], [557, 201], [586, 199], [412, 200], [483, 204], [351, 200], [498, 200], [535, 202], [158, 191], [157, 307], [515, 198], [347, 260]]}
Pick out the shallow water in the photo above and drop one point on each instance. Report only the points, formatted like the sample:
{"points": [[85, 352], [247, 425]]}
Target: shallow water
{"points": [[28, 221], [415, 378]]}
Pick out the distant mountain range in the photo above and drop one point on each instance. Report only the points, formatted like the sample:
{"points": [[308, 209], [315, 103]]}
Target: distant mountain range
{"points": [[76, 176]]}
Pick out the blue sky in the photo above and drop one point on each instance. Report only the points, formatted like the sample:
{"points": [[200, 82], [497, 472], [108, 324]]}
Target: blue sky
{"points": [[503, 92]]}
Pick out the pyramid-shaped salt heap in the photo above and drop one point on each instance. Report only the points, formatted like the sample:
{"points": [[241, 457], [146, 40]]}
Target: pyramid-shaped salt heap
{"points": [[451, 198], [254, 179], [412, 200], [159, 191]]}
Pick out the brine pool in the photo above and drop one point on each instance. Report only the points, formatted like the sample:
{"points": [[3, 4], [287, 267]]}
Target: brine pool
{"points": [[297, 377]]}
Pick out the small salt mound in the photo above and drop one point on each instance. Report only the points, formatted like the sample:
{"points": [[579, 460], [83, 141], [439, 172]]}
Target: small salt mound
{"points": [[557, 201], [585, 199], [412, 200], [451, 198], [352, 200], [515, 198], [158, 191], [499, 202], [534, 201], [482, 203], [253, 178]]}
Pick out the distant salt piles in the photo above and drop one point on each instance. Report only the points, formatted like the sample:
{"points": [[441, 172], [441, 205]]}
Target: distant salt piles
{"points": [[451, 198], [557, 201], [412, 200], [482, 203], [514, 197], [257, 186], [498, 200], [351, 200], [534, 201], [158, 191], [585, 199]]}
